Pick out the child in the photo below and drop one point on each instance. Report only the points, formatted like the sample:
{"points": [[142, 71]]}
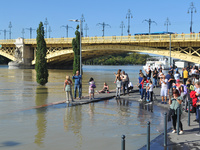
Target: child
{"points": [[68, 89], [91, 88], [118, 81], [144, 93]]}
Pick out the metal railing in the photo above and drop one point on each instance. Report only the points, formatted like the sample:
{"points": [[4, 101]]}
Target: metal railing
{"points": [[117, 39]]}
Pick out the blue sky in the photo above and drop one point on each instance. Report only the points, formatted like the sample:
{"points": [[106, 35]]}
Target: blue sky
{"points": [[26, 14]]}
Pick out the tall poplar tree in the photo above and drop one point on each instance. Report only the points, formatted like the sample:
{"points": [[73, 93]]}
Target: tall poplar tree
{"points": [[76, 49], [41, 64]]}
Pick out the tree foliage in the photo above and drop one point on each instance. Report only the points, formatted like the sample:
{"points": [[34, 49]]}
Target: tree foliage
{"points": [[119, 59], [41, 64], [76, 49]]}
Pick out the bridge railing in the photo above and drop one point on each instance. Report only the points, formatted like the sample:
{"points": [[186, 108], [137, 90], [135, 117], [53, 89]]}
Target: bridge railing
{"points": [[117, 39]]}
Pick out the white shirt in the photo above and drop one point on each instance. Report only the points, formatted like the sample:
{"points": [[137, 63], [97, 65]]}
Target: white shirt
{"points": [[151, 87], [163, 85]]}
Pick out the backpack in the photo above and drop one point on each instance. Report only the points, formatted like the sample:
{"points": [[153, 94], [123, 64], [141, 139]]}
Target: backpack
{"points": [[93, 86]]}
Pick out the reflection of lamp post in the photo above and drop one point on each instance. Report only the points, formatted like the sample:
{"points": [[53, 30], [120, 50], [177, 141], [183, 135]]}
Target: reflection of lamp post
{"points": [[80, 43], [190, 9]]}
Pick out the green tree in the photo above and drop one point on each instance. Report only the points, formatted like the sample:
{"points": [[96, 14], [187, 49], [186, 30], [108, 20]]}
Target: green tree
{"points": [[41, 64], [76, 49]]}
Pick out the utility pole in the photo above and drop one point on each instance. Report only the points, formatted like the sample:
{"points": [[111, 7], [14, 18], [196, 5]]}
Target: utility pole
{"points": [[31, 30], [103, 25], [150, 22], [167, 23], [46, 23], [82, 20], [23, 33], [10, 26], [66, 27], [86, 28], [4, 31], [122, 26], [49, 31], [129, 16], [190, 9]]}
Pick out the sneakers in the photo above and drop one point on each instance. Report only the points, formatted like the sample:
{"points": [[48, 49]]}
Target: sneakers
{"points": [[140, 100], [198, 134], [181, 132], [67, 102], [165, 103], [162, 102], [174, 131]]}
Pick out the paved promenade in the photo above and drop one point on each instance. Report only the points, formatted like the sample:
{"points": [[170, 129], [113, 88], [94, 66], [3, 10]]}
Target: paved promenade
{"points": [[186, 141]]}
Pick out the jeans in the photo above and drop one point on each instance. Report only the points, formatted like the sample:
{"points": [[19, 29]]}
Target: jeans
{"points": [[77, 86], [144, 93], [118, 91], [198, 115], [154, 82], [69, 93], [174, 121], [148, 95]]}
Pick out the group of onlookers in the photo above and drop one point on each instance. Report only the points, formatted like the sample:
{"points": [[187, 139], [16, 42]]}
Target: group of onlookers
{"points": [[184, 87], [122, 83]]}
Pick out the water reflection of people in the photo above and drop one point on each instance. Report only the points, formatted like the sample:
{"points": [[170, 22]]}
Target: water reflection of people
{"points": [[73, 122], [41, 99]]}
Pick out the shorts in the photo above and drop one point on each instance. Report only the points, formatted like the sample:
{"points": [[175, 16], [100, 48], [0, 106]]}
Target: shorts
{"points": [[163, 92]]}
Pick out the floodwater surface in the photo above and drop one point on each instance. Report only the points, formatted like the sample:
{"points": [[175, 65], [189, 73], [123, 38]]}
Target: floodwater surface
{"points": [[86, 127]]}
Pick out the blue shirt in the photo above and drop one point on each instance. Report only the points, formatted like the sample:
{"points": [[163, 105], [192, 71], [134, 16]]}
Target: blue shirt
{"points": [[77, 79], [168, 76], [140, 79]]}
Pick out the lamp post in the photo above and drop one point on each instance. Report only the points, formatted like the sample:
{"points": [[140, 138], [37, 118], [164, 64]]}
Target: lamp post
{"points": [[129, 16], [80, 43], [190, 9], [10, 26]]}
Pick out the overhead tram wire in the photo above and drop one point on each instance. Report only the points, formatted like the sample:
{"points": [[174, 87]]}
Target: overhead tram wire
{"points": [[167, 23], [122, 26], [103, 25], [67, 28], [86, 28], [31, 30], [149, 22]]}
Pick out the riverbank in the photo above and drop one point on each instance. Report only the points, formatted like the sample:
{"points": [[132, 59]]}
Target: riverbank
{"points": [[188, 140]]}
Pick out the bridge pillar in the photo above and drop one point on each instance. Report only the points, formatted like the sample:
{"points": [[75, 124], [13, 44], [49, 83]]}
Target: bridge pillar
{"points": [[23, 54]]}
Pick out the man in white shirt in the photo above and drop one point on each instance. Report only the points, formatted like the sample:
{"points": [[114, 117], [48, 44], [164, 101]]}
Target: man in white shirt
{"points": [[163, 92]]}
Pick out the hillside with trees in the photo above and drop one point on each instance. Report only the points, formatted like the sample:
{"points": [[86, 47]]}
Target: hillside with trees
{"points": [[119, 59]]}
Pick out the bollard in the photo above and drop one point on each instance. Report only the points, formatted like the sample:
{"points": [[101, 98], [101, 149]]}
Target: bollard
{"points": [[148, 135], [178, 112], [165, 130], [123, 142], [188, 112]]}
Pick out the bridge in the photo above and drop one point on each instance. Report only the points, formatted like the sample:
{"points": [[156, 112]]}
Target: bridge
{"points": [[59, 50]]}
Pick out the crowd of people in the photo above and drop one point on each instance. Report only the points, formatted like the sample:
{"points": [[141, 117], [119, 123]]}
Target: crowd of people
{"points": [[180, 88]]}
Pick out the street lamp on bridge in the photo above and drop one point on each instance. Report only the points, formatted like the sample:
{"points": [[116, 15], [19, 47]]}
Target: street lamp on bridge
{"points": [[167, 23], [80, 21], [190, 9], [129, 16], [66, 27], [10, 26]]}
